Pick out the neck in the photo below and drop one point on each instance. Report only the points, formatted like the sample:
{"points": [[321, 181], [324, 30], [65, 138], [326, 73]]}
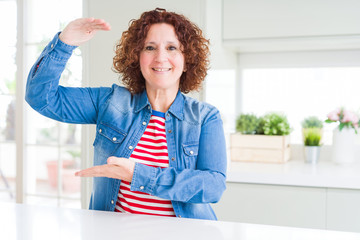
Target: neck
{"points": [[161, 100]]}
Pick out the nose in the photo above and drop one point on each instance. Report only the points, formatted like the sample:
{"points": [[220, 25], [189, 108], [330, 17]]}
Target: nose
{"points": [[161, 55]]}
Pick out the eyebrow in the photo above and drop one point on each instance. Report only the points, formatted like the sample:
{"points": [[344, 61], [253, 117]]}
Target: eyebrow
{"points": [[169, 42]]}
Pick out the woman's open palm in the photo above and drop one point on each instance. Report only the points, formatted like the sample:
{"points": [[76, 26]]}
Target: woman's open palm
{"points": [[82, 30]]}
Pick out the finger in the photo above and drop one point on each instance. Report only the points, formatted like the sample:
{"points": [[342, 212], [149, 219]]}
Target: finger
{"points": [[99, 27], [94, 29], [97, 171], [81, 21], [99, 24]]}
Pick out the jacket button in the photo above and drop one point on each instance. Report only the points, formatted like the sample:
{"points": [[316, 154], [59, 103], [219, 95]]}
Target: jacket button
{"points": [[179, 216], [191, 152], [112, 201], [149, 107], [114, 139], [130, 147], [100, 130], [170, 131], [144, 123], [142, 187], [52, 45], [172, 159]]}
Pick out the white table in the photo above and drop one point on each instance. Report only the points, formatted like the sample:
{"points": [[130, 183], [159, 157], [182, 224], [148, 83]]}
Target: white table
{"points": [[42, 223]]}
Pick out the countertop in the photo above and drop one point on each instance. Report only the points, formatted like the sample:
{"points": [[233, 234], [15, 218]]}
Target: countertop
{"points": [[22, 222], [324, 174]]}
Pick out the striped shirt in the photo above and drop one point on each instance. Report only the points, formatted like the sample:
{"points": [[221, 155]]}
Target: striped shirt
{"points": [[151, 151]]}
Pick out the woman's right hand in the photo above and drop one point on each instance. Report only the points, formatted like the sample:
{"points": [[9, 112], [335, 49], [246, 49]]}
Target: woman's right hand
{"points": [[82, 30]]}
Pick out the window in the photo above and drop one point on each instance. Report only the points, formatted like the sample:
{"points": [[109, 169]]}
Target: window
{"points": [[50, 144], [300, 93], [219, 88], [47, 143], [7, 99], [299, 84]]}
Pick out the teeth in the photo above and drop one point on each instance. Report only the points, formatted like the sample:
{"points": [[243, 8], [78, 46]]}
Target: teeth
{"points": [[161, 69]]}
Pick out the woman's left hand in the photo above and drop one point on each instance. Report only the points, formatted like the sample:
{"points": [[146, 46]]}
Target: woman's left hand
{"points": [[120, 168]]}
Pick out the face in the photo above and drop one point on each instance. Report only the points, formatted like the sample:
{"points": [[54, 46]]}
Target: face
{"points": [[161, 60]]}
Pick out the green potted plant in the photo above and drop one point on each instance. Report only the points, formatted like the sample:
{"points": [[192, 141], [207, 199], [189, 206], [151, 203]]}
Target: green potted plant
{"points": [[276, 124], [312, 134], [247, 123], [312, 143], [270, 143], [312, 122]]}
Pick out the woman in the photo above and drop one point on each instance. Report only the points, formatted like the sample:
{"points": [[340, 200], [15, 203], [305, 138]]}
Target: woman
{"points": [[156, 150]]}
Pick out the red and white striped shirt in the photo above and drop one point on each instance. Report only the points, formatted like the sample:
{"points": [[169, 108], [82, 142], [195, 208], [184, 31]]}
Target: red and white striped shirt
{"points": [[152, 151]]}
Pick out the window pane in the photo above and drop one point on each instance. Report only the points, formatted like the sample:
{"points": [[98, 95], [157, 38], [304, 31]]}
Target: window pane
{"points": [[7, 117], [7, 171], [41, 130], [45, 19], [220, 92], [301, 92], [42, 170], [7, 100], [70, 134], [51, 144], [70, 156]]}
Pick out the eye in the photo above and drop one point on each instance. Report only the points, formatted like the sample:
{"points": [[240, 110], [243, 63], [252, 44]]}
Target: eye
{"points": [[149, 48], [172, 48]]}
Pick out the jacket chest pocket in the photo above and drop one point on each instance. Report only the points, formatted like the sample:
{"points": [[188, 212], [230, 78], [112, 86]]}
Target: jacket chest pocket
{"points": [[108, 139], [190, 152]]}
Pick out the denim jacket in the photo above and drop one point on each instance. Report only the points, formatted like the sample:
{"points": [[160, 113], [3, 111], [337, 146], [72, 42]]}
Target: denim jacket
{"points": [[195, 138]]}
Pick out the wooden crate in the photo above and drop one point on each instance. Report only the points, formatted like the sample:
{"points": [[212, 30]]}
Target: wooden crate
{"points": [[259, 148]]}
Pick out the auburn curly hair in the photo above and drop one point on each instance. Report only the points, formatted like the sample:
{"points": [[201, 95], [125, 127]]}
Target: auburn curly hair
{"points": [[195, 50]]}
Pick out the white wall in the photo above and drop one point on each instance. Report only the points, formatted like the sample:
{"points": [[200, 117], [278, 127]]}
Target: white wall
{"points": [[281, 25]]}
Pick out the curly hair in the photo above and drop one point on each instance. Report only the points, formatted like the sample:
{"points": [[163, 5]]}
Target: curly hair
{"points": [[195, 50]]}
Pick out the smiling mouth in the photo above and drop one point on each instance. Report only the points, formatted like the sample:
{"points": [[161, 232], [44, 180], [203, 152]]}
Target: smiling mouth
{"points": [[161, 69]]}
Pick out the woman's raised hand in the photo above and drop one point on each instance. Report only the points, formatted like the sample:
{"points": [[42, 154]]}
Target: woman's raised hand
{"points": [[82, 30]]}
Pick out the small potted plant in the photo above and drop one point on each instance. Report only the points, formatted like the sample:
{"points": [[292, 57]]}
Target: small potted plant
{"points": [[276, 124], [263, 139], [247, 123], [312, 143], [312, 122], [312, 130]]}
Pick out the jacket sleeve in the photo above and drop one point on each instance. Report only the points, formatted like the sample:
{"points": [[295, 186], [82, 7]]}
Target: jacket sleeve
{"points": [[205, 184], [65, 104]]}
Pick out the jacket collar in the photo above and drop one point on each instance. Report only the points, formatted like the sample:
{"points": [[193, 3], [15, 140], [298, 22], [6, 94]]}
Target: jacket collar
{"points": [[141, 101], [176, 108]]}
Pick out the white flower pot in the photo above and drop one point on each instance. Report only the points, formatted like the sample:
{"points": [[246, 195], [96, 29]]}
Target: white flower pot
{"points": [[312, 154], [343, 146]]}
